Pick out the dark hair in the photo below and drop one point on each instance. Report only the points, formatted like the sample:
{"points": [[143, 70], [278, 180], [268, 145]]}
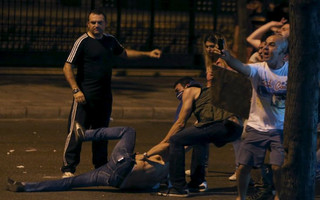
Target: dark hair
{"points": [[266, 35], [98, 12], [183, 81], [213, 37]]}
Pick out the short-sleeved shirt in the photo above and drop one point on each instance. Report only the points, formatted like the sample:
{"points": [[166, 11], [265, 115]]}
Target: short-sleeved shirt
{"points": [[94, 59], [269, 89]]}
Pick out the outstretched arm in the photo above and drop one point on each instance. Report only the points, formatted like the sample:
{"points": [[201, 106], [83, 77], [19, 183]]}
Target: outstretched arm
{"points": [[235, 63], [186, 110], [189, 95], [159, 149], [255, 38], [133, 54]]}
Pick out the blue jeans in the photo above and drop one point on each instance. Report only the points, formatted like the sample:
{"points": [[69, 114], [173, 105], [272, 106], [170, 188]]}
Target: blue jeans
{"points": [[111, 174], [219, 133], [318, 166]]}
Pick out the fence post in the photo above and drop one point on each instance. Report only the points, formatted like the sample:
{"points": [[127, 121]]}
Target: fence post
{"points": [[93, 4], [242, 20], [191, 26], [216, 4], [151, 32], [118, 33]]}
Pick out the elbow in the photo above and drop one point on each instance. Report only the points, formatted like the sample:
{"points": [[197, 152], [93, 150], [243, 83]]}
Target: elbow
{"points": [[250, 41], [125, 54], [66, 67]]}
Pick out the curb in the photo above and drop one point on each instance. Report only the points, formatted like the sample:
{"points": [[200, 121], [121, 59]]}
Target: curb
{"points": [[115, 72], [31, 110], [41, 112]]}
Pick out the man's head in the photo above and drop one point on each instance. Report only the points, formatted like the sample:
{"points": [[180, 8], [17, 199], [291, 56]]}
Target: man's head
{"points": [[96, 23], [284, 31], [211, 41], [181, 84], [275, 51]]}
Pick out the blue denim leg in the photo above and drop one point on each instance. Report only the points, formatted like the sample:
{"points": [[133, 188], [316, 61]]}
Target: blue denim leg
{"points": [[120, 163], [318, 156], [318, 166]]}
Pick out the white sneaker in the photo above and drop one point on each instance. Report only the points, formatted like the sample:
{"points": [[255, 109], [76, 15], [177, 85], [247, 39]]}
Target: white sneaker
{"points": [[203, 186], [67, 175], [233, 177], [198, 188], [188, 172]]}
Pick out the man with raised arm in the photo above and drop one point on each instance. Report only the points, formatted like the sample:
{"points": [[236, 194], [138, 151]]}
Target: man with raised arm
{"points": [[265, 124]]}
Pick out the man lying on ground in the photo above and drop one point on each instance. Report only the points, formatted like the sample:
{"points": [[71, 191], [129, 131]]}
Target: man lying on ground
{"points": [[122, 170]]}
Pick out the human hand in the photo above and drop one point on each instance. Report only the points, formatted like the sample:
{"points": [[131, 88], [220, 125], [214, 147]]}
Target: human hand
{"points": [[209, 76], [79, 97], [225, 55], [156, 53], [279, 23]]}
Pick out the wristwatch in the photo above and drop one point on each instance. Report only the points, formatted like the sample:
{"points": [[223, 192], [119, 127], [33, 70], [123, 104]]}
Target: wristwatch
{"points": [[75, 90]]}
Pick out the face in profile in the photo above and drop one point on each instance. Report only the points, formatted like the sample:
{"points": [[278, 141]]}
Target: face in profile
{"points": [[284, 31], [260, 50], [179, 91]]}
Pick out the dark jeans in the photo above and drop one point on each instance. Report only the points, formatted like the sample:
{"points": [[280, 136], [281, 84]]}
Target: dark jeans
{"points": [[219, 133], [111, 174], [92, 115]]}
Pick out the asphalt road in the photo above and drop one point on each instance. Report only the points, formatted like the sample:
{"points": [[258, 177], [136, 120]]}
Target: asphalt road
{"points": [[31, 150]]}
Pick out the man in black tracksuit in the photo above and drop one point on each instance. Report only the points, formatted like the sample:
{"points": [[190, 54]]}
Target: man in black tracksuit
{"points": [[93, 54]]}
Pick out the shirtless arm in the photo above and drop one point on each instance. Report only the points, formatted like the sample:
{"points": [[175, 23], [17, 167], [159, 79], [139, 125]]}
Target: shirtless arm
{"points": [[188, 98], [255, 38], [159, 149]]}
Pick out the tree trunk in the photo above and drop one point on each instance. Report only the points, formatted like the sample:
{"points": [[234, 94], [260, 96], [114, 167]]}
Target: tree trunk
{"points": [[242, 25], [298, 172]]}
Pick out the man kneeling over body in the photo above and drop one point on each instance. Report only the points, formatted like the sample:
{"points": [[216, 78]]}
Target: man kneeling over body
{"points": [[214, 125]]}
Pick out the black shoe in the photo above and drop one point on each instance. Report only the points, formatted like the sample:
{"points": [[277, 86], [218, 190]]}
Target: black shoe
{"points": [[173, 192], [198, 188], [15, 186], [261, 194], [79, 131]]}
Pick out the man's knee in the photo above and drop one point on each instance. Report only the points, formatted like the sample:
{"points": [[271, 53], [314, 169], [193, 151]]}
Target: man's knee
{"points": [[129, 132], [173, 140], [244, 169], [276, 168]]}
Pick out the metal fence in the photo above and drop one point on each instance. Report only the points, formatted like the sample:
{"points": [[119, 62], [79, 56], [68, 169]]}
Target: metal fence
{"points": [[46, 29]]}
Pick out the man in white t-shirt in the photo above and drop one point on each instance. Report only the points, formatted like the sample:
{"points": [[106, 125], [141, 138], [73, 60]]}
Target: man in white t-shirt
{"points": [[266, 118]]}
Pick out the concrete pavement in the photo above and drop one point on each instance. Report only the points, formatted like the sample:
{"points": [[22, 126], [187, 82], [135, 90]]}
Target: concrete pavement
{"points": [[44, 93]]}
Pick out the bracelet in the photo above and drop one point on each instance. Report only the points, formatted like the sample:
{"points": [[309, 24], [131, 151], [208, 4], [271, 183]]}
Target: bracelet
{"points": [[75, 90]]}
